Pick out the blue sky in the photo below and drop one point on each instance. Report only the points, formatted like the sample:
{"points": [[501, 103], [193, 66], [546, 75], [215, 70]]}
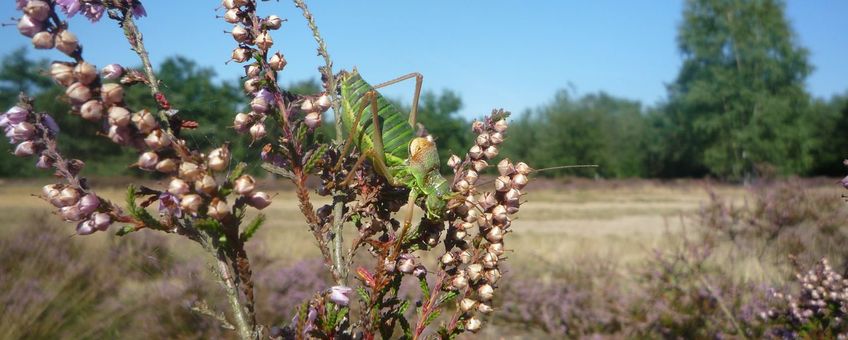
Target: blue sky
{"points": [[510, 54]]}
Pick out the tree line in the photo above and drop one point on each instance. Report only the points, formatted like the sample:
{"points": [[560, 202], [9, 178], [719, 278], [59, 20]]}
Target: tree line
{"points": [[738, 109]]}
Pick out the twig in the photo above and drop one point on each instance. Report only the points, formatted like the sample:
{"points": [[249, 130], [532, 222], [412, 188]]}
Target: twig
{"points": [[201, 307], [226, 279]]}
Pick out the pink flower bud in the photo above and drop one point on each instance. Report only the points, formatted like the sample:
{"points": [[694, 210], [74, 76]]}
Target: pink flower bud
{"points": [[340, 295], [218, 209], [244, 185], [484, 308], [496, 248], [461, 186], [119, 116], [148, 160], [232, 16], [264, 41], [459, 282], [495, 234], [482, 140], [219, 159], [273, 22], [112, 93], [29, 26], [43, 40], [478, 127], [471, 177], [501, 125], [78, 93], [323, 102], [85, 73], [253, 70], [38, 10], [307, 105], [178, 187], [241, 54], [190, 171], [25, 149], [473, 324], [474, 271], [260, 200], [86, 228], [191, 203], [101, 221], [67, 42], [488, 200], [51, 191], [502, 183], [312, 120], [144, 121], [88, 204], [467, 304], [489, 261], [251, 85], [112, 71], [485, 292], [167, 166], [157, 140], [277, 62], [119, 135], [512, 196], [92, 110], [240, 34], [505, 167], [62, 73], [257, 131]]}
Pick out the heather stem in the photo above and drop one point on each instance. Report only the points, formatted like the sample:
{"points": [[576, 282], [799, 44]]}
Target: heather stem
{"points": [[336, 252], [243, 327]]}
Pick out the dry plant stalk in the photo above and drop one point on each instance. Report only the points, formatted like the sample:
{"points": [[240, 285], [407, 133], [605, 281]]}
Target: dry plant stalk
{"points": [[207, 197]]}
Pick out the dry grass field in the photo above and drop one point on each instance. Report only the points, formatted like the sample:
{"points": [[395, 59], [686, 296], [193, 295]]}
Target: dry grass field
{"points": [[561, 225]]}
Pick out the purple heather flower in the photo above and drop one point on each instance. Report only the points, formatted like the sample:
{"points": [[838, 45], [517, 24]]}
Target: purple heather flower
{"points": [[14, 116], [339, 295], [138, 11], [44, 162], [70, 7], [93, 12], [266, 95], [170, 205], [844, 182], [50, 123]]}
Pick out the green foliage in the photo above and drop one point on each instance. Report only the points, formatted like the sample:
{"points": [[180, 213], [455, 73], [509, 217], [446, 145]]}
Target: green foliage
{"points": [[739, 98], [252, 227]]}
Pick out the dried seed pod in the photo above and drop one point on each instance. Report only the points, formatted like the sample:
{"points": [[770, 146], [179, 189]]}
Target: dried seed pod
{"points": [[101, 221], [259, 200], [495, 234], [406, 263], [465, 257], [240, 34], [219, 159], [206, 184], [241, 54], [112, 71], [484, 308], [112, 93], [178, 187], [454, 161], [190, 171], [447, 259], [503, 183], [277, 62], [119, 116], [479, 165], [62, 73], [489, 260], [43, 40], [475, 271], [467, 304], [253, 70], [242, 121], [25, 149], [473, 324], [488, 200], [218, 209], [523, 168], [157, 140], [29, 26], [85, 73], [519, 181], [191, 203], [482, 140], [244, 185], [491, 152], [496, 248], [496, 138], [92, 110], [78, 93], [67, 42], [461, 186], [492, 275], [38, 10], [499, 214], [485, 292], [67, 196], [86, 228], [148, 160], [257, 131], [264, 41], [251, 85], [459, 282], [167, 165], [232, 16], [273, 22], [144, 121], [476, 152], [501, 126], [471, 177]]}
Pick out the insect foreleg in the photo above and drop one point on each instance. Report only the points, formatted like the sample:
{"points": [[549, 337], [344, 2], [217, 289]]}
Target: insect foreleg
{"points": [[419, 79], [353, 131]]}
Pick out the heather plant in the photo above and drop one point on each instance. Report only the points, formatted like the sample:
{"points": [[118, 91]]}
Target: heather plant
{"points": [[376, 170]]}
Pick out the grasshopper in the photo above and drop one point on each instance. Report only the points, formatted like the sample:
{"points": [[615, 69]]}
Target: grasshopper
{"points": [[388, 141]]}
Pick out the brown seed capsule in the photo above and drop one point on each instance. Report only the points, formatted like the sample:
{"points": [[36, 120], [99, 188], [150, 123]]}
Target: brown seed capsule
{"points": [[144, 121], [259, 200], [519, 181], [85, 73], [264, 41], [499, 214], [119, 116], [218, 209], [167, 165], [92, 110], [459, 282], [495, 248], [447, 259], [273, 22], [219, 159], [484, 308], [240, 34], [454, 161], [312, 120], [471, 177], [178, 187], [461, 186], [37, 9], [62, 73], [241, 54], [485, 292], [467, 304], [465, 257], [501, 126], [257, 131], [460, 234], [406, 263], [482, 140], [495, 234], [476, 152], [148, 161], [479, 165], [244, 185], [232, 16], [251, 85], [206, 184], [473, 324], [496, 138], [112, 93], [489, 260], [157, 140], [492, 275], [475, 271], [119, 134], [67, 42], [478, 126], [488, 200], [491, 152], [523, 168], [43, 40], [277, 62], [78, 93], [67, 196], [190, 171], [503, 183], [191, 203]]}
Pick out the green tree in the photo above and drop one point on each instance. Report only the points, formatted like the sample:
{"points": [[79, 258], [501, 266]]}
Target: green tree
{"points": [[739, 99]]}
